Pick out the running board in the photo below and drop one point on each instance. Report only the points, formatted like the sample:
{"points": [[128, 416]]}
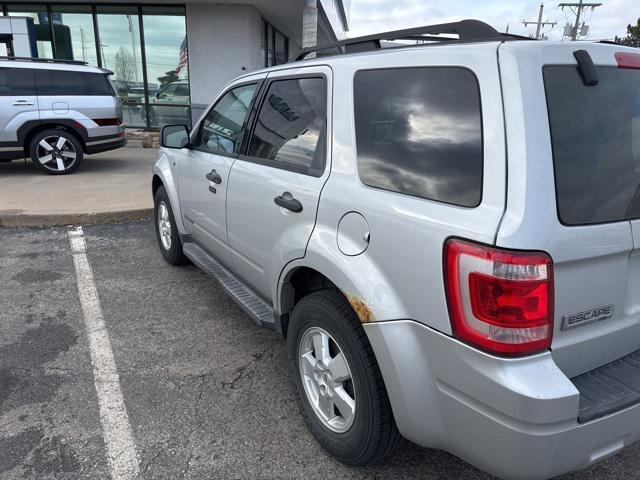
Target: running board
{"points": [[257, 308]]}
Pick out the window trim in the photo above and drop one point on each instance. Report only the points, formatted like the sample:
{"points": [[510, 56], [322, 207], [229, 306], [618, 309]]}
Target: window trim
{"points": [[482, 139], [254, 119], [195, 134]]}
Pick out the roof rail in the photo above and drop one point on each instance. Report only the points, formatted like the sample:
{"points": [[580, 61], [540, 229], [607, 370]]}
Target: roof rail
{"points": [[467, 31], [45, 60]]}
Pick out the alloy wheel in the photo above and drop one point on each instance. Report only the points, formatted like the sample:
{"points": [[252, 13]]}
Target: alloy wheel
{"points": [[164, 225], [56, 153], [327, 380]]}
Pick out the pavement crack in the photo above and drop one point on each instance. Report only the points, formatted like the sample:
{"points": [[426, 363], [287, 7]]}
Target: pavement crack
{"points": [[241, 372]]}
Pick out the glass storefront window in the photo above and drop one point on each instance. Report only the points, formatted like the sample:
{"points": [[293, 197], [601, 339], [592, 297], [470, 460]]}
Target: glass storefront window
{"points": [[167, 68], [150, 67], [74, 34], [277, 45], [40, 24], [120, 49]]}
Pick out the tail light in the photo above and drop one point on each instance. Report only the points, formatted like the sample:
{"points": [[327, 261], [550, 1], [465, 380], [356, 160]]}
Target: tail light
{"points": [[108, 122], [500, 301], [628, 60]]}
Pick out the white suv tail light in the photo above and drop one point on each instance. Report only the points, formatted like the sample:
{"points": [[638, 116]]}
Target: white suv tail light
{"points": [[500, 301]]}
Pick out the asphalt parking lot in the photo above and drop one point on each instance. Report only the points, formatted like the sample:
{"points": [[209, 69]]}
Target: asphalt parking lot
{"points": [[206, 390]]}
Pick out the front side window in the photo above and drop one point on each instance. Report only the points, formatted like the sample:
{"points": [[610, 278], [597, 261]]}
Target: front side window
{"points": [[221, 129], [291, 128], [62, 82], [16, 82], [419, 132]]}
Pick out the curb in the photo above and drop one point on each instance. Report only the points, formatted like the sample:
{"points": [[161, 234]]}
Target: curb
{"points": [[61, 219]]}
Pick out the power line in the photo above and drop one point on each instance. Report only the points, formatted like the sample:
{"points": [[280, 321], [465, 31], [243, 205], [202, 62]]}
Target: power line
{"points": [[579, 7], [539, 24]]}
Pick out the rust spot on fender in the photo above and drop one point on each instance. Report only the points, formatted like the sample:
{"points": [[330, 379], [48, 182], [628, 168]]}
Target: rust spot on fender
{"points": [[362, 309]]}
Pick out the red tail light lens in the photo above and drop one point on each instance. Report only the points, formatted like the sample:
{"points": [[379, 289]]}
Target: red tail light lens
{"points": [[500, 301], [628, 60], [108, 122]]}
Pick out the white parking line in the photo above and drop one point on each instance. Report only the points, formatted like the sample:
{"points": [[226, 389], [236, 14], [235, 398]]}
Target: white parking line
{"points": [[116, 429]]}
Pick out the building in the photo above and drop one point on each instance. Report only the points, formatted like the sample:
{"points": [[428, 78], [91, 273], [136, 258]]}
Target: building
{"points": [[169, 59]]}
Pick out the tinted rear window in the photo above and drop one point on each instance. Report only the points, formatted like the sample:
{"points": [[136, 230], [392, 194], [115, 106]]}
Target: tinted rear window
{"points": [[595, 136], [59, 82], [419, 132]]}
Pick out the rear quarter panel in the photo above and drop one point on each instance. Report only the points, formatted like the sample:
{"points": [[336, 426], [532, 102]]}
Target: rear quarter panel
{"points": [[399, 276]]}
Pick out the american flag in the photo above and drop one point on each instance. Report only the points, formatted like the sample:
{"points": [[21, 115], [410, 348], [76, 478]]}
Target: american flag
{"points": [[184, 56]]}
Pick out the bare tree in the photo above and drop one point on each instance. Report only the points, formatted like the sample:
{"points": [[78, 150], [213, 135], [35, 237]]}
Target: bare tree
{"points": [[125, 67]]}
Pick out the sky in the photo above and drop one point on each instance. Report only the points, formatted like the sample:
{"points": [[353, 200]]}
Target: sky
{"points": [[606, 21]]}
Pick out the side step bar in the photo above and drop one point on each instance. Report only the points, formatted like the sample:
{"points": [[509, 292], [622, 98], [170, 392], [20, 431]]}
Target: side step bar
{"points": [[252, 303]]}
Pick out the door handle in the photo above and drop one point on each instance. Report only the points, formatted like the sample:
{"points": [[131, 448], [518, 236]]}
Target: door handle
{"points": [[22, 103], [213, 176], [286, 200]]}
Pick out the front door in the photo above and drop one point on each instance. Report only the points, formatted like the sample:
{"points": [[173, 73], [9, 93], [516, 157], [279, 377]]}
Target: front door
{"points": [[18, 105], [204, 169], [274, 189]]}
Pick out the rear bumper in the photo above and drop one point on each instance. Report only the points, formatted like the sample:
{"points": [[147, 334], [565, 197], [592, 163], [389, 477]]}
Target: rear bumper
{"points": [[514, 418], [104, 144]]}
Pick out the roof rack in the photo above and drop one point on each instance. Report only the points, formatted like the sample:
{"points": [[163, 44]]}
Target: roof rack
{"points": [[467, 31], [45, 60]]}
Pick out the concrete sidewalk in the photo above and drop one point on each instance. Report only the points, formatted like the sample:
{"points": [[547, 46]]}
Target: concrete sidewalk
{"points": [[106, 188]]}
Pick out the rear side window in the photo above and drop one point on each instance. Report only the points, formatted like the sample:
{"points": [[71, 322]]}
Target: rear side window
{"points": [[291, 129], [419, 132], [16, 81], [595, 137], [60, 82]]}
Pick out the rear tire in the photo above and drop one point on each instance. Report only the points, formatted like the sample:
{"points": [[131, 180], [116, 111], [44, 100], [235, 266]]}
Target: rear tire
{"points": [[166, 230], [56, 151], [324, 317]]}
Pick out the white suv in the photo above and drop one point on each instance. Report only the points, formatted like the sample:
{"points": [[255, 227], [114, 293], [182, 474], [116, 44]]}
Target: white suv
{"points": [[55, 111], [447, 234]]}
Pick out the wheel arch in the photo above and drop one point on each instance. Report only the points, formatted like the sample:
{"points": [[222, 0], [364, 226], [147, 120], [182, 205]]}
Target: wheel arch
{"points": [[30, 129], [371, 294]]}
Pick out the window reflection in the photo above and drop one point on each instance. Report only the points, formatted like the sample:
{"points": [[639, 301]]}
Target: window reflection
{"points": [[291, 125], [74, 34], [221, 128], [119, 32], [419, 132], [167, 65], [40, 25]]}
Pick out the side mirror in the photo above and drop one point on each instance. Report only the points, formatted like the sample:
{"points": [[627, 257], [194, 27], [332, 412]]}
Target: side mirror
{"points": [[174, 136]]}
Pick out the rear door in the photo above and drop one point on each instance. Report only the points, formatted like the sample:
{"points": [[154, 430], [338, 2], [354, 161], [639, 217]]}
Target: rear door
{"points": [[204, 168], [575, 193], [274, 189], [18, 105]]}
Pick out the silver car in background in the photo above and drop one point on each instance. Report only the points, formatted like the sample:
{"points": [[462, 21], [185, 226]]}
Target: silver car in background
{"points": [[447, 234], [56, 111]]}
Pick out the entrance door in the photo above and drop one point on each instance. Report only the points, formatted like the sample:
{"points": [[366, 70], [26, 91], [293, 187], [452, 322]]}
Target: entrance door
{"points": [[204, 169], [274, 190]]}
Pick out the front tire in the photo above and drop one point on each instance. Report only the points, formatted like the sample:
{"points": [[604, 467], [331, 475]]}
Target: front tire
{"points": [[166, 230], [56, 151], [340, 390]]}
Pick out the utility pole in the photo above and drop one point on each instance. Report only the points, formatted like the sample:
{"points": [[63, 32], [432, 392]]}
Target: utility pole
{"points": [[579, 7], [539, 24]]}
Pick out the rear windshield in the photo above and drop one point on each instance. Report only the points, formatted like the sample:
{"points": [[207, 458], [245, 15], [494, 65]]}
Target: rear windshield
{"points": [[595, 136]]}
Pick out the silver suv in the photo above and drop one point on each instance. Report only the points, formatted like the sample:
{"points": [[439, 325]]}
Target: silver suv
{"points": [[447, 234], [56, 111]]}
